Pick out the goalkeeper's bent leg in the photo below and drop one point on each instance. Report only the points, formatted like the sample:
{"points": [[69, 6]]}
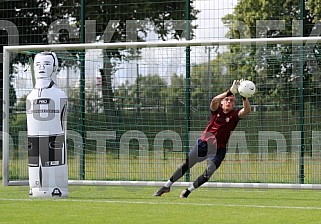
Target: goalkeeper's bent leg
{"points": [[181, 170], [212, 166], [205, 176], [191, 159]]}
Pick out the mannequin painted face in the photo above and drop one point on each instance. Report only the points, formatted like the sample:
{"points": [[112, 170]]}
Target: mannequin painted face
{"points": [[44, 66]]}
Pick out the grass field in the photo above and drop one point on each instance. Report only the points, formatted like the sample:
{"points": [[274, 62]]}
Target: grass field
{"points": [[123, 204]]}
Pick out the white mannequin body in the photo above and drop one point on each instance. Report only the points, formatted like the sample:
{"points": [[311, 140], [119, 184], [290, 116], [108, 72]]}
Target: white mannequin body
{"points": [[46, 121]]}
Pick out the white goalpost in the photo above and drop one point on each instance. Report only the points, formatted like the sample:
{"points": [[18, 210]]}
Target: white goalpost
{"points": [[137, 136]]}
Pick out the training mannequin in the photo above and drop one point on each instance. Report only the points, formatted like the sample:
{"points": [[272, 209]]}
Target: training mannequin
{"points": [[46, 121]]}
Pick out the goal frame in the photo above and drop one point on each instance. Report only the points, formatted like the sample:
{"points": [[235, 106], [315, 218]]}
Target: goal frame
{"points": [[86, 46]]}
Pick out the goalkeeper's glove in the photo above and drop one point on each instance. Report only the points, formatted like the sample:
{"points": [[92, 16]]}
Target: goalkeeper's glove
{"points": [[234, 87], [242, 80]]}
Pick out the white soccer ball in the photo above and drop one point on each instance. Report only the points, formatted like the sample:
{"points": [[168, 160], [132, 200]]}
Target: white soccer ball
{"points": [[246, 88]]}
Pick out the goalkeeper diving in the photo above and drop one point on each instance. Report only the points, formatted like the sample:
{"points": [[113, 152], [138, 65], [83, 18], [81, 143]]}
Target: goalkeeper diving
{"points": [[212, 144]]}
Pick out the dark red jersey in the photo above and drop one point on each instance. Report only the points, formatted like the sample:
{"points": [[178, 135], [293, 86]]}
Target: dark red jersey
{"points": [[220, 126]]}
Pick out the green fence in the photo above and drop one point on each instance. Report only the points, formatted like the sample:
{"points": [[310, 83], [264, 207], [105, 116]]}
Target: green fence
{"points": [[148, 92]]}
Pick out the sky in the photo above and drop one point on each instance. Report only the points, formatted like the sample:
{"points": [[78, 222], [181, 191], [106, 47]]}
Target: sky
{"points": [[162, 61]]}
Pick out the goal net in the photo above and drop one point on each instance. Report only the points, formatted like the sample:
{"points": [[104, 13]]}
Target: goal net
{"points": [[136, 108]]}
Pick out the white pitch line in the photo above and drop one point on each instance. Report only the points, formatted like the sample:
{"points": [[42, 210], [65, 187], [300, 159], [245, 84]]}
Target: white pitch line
{"points": [[168, 203]]}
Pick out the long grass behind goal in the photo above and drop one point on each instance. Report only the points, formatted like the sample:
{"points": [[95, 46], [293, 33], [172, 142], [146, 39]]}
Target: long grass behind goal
{"points": [[136, 108]]}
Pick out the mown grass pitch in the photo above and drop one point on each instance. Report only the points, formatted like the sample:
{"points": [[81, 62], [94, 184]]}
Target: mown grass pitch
{"points": [[124, 204]]}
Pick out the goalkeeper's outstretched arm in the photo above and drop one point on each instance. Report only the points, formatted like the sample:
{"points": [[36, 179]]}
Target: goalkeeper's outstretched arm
{"points": [[246, 108]]}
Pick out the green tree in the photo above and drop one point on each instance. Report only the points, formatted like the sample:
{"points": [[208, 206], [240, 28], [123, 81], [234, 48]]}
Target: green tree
{"points": [[151, 88], [148, 88], [123, 95], [175, 98], [140, 18], [275, 67]]}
